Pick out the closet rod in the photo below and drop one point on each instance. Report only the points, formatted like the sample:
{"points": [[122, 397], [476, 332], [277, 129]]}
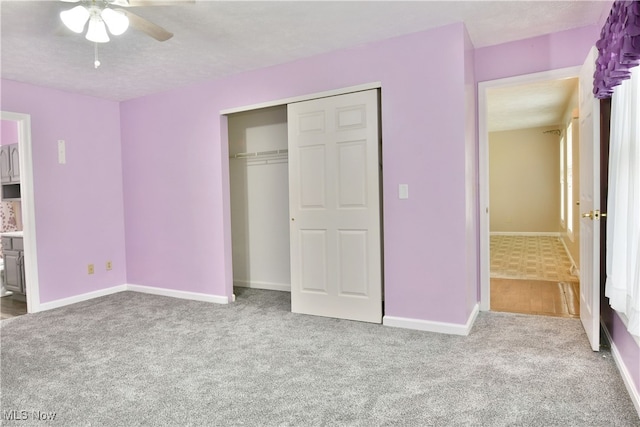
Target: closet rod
{"points": [[259, 154]]}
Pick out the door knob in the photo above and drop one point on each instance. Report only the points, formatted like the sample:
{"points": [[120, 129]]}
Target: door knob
{"points": [[594, 214]]}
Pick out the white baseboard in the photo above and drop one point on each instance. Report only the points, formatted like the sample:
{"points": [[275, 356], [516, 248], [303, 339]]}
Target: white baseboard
{"points": [[524, 233], [431, 326], [624, 372], [79, 298], [135, 288], [574, 267], [262, 285], [195, 296]]}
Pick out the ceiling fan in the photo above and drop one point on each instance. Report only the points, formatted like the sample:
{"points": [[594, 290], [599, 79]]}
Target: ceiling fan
{"points": [[109, 14]]}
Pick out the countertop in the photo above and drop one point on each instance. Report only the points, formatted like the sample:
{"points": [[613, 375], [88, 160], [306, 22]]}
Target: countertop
{"points": [[12, 234]]}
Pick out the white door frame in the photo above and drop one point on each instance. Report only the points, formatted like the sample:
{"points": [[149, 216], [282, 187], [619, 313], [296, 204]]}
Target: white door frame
{"points": [[32, 284], [483, 167]]}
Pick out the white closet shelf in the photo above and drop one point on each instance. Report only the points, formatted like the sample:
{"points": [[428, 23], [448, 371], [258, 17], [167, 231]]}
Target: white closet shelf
{"points": [[270, 153]]}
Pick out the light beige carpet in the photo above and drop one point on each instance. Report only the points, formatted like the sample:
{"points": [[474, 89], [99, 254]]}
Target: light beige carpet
{"points": [[530, 257]]}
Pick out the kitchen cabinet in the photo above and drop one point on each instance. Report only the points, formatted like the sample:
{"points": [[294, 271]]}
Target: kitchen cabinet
{"points": [[10, 171], [13, 252], [5, 164], [10, 164]]}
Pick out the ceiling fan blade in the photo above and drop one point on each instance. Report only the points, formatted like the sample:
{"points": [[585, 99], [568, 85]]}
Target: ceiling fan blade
{"points": [[143, 3], [147, 27]]}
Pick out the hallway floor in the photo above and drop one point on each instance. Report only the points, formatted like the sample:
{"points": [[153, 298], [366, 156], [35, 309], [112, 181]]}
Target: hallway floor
{"points": [[547, 298], [10, 306], [532, 275], [530, 257]]}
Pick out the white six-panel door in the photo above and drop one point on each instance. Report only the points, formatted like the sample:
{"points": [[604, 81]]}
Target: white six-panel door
{"points": [[589, 203], [334, 204]]}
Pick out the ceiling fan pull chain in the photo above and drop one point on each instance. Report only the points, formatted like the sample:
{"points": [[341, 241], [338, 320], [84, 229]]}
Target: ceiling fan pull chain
{"points": [[96, 62]]}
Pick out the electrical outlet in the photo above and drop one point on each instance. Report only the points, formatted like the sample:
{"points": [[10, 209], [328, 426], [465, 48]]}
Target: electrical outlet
{"points": [[90, 269], [109, 266]]}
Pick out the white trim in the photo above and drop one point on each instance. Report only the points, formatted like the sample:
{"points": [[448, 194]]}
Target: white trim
{"points": [[574, 266], [195, 296], [32, 283], [285, 101], [624, 372], [263, 285], [82, 297], [431, 326], [525, 233], [483, 167]]}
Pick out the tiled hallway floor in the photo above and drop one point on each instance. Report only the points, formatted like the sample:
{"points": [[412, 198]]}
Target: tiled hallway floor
{"points": [[530, 257], [532, 275]]}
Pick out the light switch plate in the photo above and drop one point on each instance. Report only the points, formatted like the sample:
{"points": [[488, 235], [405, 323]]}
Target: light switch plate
{"points": [[403, 191], [62, 152]]}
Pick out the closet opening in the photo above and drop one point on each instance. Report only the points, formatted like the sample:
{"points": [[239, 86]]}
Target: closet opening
{"points": [[259, 195]]}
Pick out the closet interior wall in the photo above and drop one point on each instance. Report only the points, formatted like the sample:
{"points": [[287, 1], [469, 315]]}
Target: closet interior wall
{"points": [[259, 182]]}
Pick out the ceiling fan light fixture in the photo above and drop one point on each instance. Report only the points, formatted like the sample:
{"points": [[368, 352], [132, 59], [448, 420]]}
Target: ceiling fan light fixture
{"points": [[116, 21], [75, 18], [97, 31]]}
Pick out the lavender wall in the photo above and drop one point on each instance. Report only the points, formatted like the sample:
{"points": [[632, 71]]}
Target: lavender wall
{"points": [[550, 52], [9, 132], [79, 208], [627, 346], [175, 163]]}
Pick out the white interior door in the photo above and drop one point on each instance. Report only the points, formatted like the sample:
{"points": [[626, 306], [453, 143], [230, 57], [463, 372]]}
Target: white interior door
{"points": [[590, 203], [334, 203]]}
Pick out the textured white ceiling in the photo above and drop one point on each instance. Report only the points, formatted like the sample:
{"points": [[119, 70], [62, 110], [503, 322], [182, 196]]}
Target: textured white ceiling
{"points": [[217, 38], [530, 105]]}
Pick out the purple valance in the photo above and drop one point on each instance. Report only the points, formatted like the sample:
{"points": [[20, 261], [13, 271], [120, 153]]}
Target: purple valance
{"points": [[618, 47]]}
